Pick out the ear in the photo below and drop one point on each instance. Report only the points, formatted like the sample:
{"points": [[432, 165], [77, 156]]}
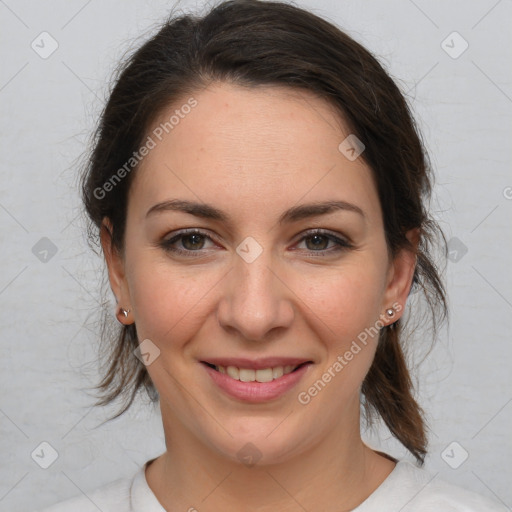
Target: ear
{"points": [[115, 265], [400, 276]]}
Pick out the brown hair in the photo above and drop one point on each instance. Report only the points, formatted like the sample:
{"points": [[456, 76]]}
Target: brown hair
{"points": [[250, 43]]}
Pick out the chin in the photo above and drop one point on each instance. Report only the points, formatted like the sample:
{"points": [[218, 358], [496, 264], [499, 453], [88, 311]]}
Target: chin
{"points": [[257, 441]]}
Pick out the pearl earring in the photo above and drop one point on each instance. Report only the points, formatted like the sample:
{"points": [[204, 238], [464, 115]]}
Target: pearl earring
{"points": [[390, 312]]}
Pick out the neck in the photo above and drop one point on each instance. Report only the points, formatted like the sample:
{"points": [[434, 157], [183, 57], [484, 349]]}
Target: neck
{"points": [[335, 474]]}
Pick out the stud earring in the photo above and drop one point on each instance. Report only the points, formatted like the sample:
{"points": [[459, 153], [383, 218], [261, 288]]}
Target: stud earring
{"points": [[122, 314], [390, 312]]}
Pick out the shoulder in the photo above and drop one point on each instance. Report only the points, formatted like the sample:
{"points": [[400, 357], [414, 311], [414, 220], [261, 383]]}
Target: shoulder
{"points": [[409, 488], [112, 497], [434, 491]]}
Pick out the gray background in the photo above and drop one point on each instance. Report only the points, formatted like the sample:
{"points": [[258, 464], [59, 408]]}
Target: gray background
{"points": [[49, 107]]}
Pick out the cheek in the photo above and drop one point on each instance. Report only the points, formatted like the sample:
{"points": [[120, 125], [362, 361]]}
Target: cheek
{"points": [[346, 301], [343, 312], [166, 298]]}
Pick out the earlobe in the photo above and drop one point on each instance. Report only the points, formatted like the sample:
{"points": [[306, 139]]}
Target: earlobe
{"points": [[122, 315], [402, 274]]}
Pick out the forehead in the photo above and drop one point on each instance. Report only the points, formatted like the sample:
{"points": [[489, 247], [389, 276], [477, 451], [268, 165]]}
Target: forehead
{"points": [[251, 147]]}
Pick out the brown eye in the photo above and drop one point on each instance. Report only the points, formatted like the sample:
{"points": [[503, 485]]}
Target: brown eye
{"points": [[186, 243], [317, 243], [192, 242]]}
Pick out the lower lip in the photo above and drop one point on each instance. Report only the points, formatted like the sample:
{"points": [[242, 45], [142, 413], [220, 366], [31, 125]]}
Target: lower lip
{"points": [[256, 392]]}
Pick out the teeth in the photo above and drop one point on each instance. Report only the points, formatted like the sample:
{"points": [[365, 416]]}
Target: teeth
{"points": [[264, 375]]}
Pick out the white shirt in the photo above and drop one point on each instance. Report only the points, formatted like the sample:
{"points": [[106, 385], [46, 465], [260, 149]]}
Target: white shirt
{"points": [[407, 488]]}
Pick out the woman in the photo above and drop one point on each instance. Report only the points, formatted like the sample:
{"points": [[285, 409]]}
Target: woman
{"points": [[259, 189]]}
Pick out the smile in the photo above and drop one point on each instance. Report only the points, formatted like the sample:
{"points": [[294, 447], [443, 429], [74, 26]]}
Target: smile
{"points": [[251, 375], [256, 386]]}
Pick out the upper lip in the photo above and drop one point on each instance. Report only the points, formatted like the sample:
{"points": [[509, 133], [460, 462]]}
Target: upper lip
{"points": [[256, 364]]}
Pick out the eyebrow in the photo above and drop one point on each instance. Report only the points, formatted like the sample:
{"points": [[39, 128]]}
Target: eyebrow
{"points": [[294, 214]]}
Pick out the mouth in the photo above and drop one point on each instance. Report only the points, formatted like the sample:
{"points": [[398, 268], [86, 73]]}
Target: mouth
{"points": [[257, 385], [256, 375]]}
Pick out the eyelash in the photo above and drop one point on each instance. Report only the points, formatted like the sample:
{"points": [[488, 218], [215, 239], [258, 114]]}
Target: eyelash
{"points": [[342, 245]]}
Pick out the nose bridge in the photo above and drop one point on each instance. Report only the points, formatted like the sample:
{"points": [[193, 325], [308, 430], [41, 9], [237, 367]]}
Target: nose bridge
{"points": [[257, 301]]}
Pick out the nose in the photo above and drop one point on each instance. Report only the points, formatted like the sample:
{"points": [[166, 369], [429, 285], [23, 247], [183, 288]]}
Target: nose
{"points": [[257, 300]]}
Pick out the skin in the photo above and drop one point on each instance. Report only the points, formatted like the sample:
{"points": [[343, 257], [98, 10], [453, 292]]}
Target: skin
{"points": [[253, 153]]}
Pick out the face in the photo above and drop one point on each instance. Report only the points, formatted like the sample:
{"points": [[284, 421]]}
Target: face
{"points": [[262, 276]]}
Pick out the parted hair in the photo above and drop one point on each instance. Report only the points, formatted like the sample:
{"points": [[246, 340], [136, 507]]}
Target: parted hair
{"points": [[256, 43]]}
